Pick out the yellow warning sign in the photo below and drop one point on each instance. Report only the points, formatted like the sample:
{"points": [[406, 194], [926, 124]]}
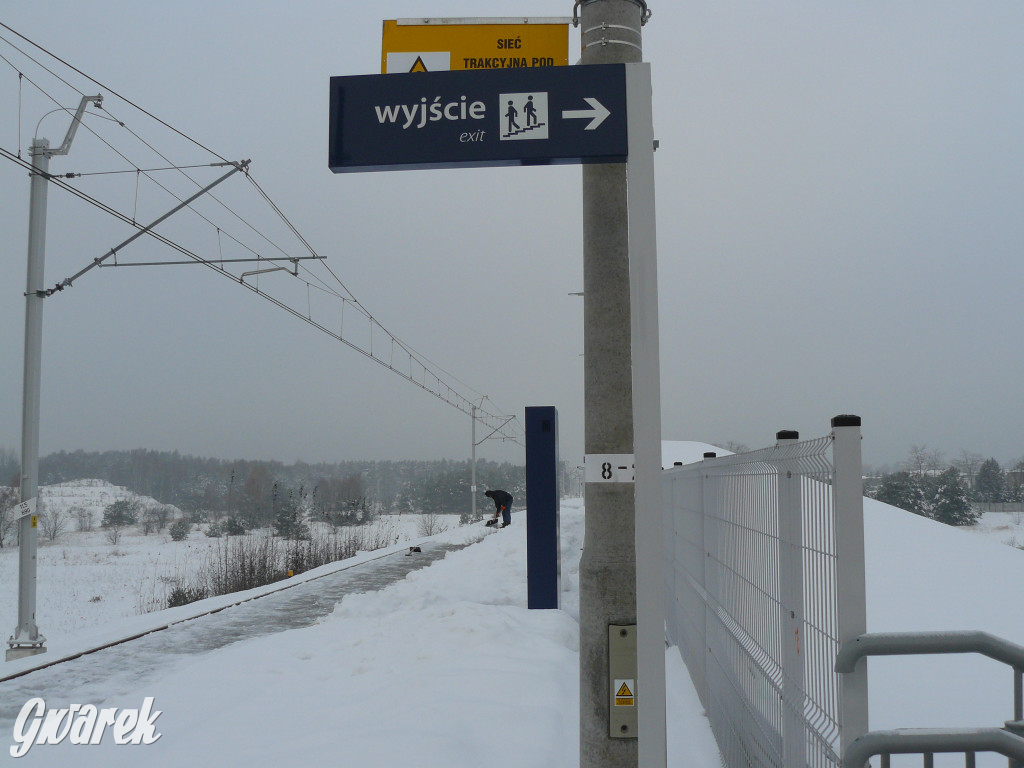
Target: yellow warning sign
{"points": [[431, 45], [624, 693]]}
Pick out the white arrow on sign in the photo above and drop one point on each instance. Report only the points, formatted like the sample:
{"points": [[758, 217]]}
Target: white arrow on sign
{"points": [[597, 113]]}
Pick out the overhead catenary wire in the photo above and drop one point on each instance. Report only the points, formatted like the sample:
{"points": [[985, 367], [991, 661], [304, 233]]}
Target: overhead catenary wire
{"points": [[460, 402], [139, 171], [106, 88], [452, 398], [309, 278], [135, 167]]}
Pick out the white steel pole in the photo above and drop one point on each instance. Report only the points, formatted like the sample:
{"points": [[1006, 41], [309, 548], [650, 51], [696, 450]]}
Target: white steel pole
{"points": [[791, 606], [472, 482], [26, 640], [643, 281], [848, 497]]}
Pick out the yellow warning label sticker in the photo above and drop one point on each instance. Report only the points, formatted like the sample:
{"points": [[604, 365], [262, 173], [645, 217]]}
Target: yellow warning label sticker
{"points": [[35, 521], [624, 696]]}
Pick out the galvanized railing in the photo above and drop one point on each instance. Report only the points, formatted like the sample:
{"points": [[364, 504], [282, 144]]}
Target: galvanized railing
{"points": [[1007, 741], [766, 556]]}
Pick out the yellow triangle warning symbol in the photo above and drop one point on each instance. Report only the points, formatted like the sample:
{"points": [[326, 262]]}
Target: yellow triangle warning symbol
{"points": [[624, 690], [418, 65]]}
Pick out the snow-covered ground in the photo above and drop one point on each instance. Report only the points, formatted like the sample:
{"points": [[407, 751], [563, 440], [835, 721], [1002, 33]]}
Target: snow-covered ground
{"points": [[449, 668], [85, 582]]}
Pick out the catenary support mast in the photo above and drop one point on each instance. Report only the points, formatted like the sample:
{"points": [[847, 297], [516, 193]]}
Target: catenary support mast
{"points": [[27, 640]]}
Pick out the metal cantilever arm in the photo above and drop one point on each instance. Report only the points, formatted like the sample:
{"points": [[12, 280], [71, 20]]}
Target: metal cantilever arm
{"points": [[915, 643], [294, 271], [98, 261]]}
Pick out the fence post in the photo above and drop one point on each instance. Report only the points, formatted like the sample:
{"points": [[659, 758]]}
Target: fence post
{"points": [[848, 500], [791, 603], [668, 505], [701, 537]]}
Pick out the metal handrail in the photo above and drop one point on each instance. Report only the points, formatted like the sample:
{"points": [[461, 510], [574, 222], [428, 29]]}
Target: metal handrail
{"points": [[927, 741], [914, 643], [1004, 741]]}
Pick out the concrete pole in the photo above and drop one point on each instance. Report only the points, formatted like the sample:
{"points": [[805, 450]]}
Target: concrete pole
{"points": [[26, 640], [610, 34]]}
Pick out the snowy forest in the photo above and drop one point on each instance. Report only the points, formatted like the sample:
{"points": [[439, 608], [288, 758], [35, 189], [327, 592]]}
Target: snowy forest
{"points": [[256, 490], [951, 492]]}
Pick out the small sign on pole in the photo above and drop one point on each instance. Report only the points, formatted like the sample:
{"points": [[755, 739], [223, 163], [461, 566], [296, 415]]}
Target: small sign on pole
{"points": [[26, 508], [433, 45]]}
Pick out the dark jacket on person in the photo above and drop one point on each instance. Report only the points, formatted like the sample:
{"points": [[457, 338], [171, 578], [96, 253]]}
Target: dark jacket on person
{"points": [[500, 499]]}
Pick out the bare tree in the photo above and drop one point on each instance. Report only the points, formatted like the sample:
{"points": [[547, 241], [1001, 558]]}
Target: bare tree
{"points": [[113, 532], [934, 461], [429, 524], [83, 516], [968, 464], [53, 522], [147, 518], [918, 459], [163, 514]]}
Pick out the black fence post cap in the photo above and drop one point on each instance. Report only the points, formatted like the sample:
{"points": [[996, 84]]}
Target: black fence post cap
{"points": [[846, 420], [787, 434]]}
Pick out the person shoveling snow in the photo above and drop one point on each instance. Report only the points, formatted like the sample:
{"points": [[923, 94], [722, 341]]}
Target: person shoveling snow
{"points": [[503, 504]]}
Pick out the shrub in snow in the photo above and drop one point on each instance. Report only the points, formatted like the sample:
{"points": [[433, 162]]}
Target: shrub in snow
{"points": [[990, 485], [179, 530], [213, 530], [951, 505], [184, 594], [121, 513], [901, 489], [233, 526], [430, 524], [113, 533], [53, 521], [83, 517], [468, 518], [162, 513]]}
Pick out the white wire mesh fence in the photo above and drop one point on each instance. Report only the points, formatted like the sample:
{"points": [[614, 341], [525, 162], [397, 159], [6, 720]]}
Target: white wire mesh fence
{"points": [[758, 601]]}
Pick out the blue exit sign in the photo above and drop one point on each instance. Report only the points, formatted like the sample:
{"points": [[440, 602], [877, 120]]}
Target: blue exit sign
{"points": [[478, 118]]}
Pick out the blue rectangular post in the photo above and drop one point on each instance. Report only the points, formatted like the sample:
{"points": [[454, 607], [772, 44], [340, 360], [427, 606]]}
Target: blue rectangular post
{"points": [[543, 553]]}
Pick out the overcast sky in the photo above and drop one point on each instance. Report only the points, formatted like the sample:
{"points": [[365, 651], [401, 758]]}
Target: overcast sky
{"points": [[840, 230]]}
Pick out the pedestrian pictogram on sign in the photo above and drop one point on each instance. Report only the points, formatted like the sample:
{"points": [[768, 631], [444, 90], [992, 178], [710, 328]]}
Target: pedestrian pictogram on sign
{"points": [[525, 115], [624, 693]]}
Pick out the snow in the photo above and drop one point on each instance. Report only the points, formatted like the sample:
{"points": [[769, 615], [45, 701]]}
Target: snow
{"points": [[445, 668], [687, 452], [448, 667], [89, 588]]}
